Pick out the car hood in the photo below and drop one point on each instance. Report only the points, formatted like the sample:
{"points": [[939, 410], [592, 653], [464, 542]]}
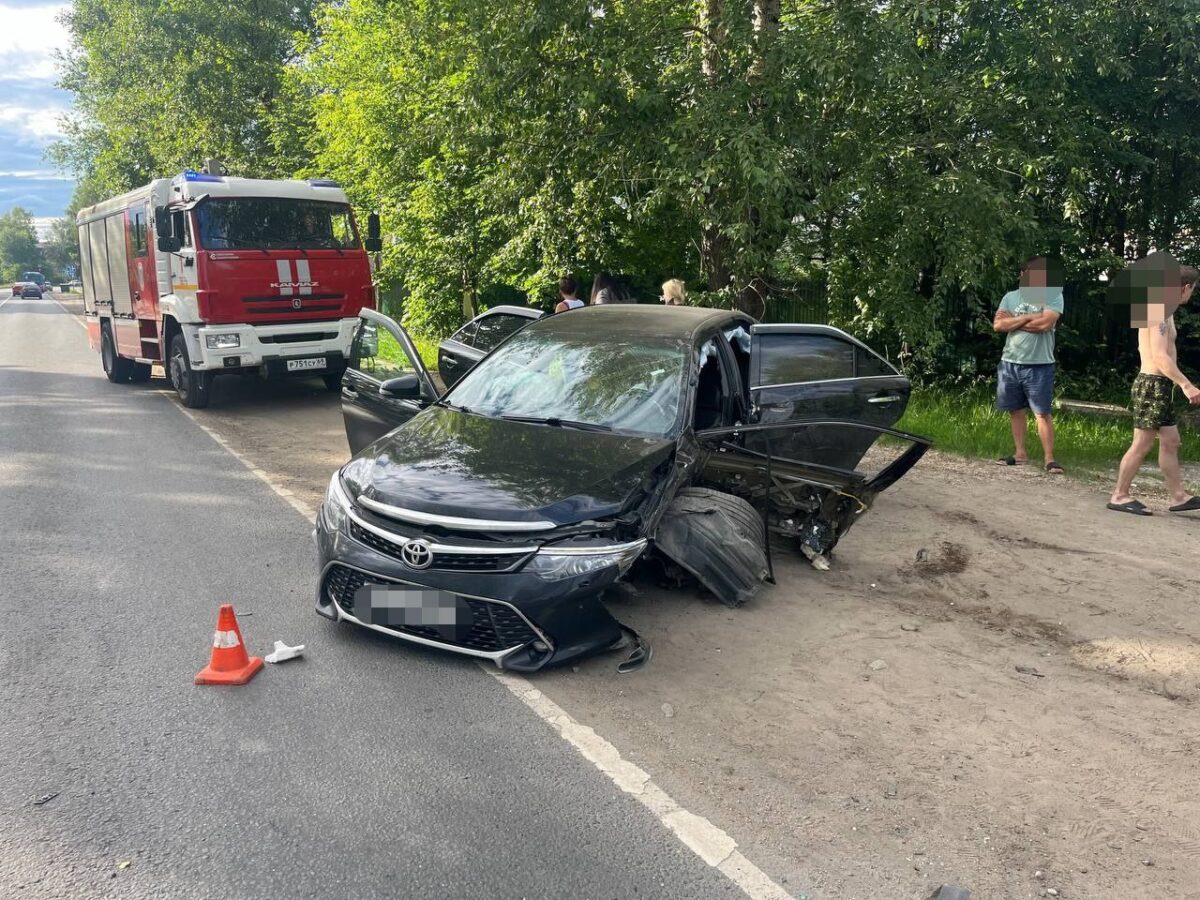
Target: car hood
{"points": [[451, 463]]}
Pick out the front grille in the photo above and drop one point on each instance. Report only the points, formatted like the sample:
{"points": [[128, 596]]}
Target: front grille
{"points": [[297, 338], [494, 626], [446, 562], [288, 298], [285, 306]]}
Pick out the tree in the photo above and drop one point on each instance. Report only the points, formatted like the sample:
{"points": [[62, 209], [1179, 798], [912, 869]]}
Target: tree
{"points": [[159, 87], [19, 250]]}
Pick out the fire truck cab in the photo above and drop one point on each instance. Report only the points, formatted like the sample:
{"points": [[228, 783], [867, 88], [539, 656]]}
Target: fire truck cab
{"points": [[208, 274]]}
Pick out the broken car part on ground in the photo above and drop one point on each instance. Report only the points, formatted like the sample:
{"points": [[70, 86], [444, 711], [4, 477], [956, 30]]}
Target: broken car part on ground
{"points": [[494, 518]]}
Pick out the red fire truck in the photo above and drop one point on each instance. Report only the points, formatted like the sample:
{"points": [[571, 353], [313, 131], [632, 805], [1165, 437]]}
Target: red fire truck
{"points": [[204, 273]]}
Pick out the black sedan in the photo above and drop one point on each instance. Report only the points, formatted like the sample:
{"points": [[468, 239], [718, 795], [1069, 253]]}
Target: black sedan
{"points": [[494, 518], [27, 290]]}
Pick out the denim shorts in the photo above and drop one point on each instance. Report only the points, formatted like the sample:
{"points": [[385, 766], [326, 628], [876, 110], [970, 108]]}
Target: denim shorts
{"points": [[1020, 386]]}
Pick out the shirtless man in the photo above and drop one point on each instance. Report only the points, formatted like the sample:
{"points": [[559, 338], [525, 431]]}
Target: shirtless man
{"points": [[1153, 387]]}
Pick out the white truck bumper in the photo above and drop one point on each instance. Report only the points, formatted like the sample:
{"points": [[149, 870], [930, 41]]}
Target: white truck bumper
{"points": [[270, 345]]}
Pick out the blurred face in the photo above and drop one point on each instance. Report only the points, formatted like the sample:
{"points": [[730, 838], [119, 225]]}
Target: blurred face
{"points": [[1035, 276]]}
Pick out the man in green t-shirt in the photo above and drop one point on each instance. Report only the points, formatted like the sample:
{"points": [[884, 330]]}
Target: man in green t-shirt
{"points": [[1025, 379]]}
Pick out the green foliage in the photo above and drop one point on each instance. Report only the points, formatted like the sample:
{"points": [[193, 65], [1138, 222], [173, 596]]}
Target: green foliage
{"points": [[963, 421], [907, 154], [18, 244], [159, 87]]}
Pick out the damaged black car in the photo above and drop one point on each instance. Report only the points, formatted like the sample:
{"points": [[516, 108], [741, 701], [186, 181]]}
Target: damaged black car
{"points": [[490, 520]]}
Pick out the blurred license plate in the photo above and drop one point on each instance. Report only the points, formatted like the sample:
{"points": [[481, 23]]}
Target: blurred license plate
{"points": [[412, 606], [300, 365]]}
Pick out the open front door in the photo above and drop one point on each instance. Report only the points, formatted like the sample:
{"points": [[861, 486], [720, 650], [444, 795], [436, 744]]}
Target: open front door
{"points": [[800, 372], [385, 383]]}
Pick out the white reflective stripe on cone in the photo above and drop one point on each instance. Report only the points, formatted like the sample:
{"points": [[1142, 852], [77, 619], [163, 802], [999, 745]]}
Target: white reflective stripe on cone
{"points": [[223, 640]]}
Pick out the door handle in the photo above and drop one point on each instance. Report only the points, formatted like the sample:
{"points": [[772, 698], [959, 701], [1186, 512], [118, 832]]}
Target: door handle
{"points": [[885, 398], [349, 394]]}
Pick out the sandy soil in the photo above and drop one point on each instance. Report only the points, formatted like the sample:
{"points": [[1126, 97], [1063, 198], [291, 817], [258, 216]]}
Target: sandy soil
{"points": [[878, 729]]}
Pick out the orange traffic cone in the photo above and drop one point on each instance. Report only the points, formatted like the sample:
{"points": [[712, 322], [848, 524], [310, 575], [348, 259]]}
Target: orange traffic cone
{"points": [[229, 664]]}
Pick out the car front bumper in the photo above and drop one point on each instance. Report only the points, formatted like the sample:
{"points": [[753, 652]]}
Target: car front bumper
{"points": [[517, 620]]}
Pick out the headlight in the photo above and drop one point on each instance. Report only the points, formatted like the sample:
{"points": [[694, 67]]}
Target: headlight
{"points": [[556, 563], [222, 341], [336, 504]]}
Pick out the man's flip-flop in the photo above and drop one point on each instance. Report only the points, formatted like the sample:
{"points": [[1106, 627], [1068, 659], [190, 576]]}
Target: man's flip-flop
{"points": [[1011, 461], [1134, 507], [1186, 506], [1053, 468]]}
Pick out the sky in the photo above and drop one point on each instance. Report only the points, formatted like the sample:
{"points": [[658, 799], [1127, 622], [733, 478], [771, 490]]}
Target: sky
{"points": [[30, 107]]}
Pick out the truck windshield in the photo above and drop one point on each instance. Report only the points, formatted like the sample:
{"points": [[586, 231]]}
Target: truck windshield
{"points": [[274, 223]]}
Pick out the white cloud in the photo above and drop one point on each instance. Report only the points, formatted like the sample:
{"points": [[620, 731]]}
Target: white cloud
{"points": [[31, 35], [40, 125]]}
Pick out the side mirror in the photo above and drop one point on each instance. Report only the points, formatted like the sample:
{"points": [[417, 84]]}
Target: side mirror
{"points": [[373, 243], [406, 387], [166, 240]]}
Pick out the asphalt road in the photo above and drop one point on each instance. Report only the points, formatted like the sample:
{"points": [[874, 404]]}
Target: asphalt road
{"points": [[366, 769]]}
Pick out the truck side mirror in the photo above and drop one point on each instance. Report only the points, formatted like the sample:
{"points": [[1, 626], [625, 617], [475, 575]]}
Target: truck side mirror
{"points": [[373, 243], [166, 240]]}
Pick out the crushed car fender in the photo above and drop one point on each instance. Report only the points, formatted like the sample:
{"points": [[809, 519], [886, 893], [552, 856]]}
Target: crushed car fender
{"points": [[718, 538]]}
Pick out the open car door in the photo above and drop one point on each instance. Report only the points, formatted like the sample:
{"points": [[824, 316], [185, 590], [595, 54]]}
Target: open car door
{"points": [[385, 384], [807, 372]]}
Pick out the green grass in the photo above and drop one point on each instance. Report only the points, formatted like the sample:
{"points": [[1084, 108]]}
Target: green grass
{"points": [[963, 422]]}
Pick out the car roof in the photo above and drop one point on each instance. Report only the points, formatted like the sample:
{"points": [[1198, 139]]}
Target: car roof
{"points": [[530, 312], [621, 321]]}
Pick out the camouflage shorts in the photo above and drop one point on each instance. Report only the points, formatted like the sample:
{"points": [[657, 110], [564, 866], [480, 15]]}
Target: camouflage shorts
{"points": [[1152, 407]]}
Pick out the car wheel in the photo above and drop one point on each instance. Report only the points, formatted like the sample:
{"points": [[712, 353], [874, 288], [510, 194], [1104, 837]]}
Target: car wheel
{"points": [[140, 373], [117, 369], [333, 381], [191, 386]]}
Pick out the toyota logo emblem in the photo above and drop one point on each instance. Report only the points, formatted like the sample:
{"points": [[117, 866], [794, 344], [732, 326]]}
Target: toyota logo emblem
{"points": [[417, 555]]}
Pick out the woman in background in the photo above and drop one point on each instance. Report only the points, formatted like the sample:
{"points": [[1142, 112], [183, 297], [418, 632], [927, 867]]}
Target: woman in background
{"points": [[606, 290], [673, 293]]}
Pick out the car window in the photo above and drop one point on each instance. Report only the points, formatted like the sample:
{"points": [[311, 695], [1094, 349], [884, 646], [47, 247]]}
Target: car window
{"points": [[495, 328], [377, 354], [137, 231], [871, 366], [466, 334], [795, 358], [626, 386]]}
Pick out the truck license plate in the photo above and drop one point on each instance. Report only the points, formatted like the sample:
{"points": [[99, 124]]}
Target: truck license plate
{"points": [[301, 365]]}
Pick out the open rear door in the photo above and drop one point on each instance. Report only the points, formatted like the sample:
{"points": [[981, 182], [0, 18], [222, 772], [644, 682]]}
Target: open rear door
{"points": [[385, 383], [807, 372]]}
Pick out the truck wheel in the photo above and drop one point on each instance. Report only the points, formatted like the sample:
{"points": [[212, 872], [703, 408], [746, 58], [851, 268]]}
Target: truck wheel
{"points": [[117, 368], [333, 380], [192, 386], [140, 373]]}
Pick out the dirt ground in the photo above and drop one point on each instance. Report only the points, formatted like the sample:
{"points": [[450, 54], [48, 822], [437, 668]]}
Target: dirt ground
{"points": [[997, 685]]}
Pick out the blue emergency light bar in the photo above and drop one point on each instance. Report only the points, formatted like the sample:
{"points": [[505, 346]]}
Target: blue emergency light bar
{"points": [[323, 182], [191, 175]]}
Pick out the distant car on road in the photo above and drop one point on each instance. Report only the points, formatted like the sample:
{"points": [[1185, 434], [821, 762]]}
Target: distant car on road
{"points": [[27, 290], [493, 519]]}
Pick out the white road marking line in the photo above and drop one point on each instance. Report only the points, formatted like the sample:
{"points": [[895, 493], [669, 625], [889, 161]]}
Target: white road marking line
{"points": [[295, 502], [701, 836], [74, 318], [714, 846]]}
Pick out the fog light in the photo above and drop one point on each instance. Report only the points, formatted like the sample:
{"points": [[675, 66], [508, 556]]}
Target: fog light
{"points": [[539, 646], [233, 361], [222, 341]]}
